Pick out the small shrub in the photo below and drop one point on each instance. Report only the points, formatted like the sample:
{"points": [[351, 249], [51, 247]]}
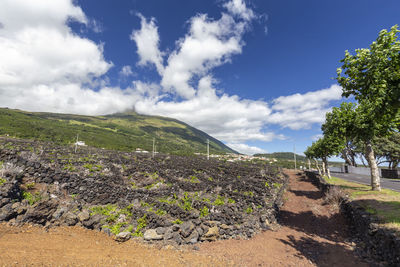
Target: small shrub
{"points": [[204, 212], [267, 185], [32, 198], [194, 179], [142, 223], [220, 200], [334, 196], [231, 201], [248, 193], [186, 202], [130, 228], [30, 185], [133, 185], [177, 221], [160, 212], [116, 228], [277, 185], [249, 210]]}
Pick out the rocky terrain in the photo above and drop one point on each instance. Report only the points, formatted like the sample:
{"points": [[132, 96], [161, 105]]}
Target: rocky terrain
{"points": [[170, 199]]}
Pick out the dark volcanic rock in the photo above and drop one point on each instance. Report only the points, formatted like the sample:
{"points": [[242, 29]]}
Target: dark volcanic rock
{"points": [[41, 212]]}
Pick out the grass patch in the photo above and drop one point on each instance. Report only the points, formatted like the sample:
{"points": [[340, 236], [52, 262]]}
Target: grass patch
{"points": [[384, 204]]}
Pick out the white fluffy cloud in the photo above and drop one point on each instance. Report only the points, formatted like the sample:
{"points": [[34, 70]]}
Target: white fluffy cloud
{"points": [[300, 111], [126, 71], [246, 149], [208, 44], [147, 42], [44, 66], [225, 117], [239, 8]]}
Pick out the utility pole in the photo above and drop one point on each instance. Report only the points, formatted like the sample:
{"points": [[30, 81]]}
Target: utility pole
{"points": [[154, 146], [294, 155], [208, 149], [76, 143]]}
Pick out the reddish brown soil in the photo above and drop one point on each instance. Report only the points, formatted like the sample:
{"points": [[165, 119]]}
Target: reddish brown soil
{"points": [[311, 234]]}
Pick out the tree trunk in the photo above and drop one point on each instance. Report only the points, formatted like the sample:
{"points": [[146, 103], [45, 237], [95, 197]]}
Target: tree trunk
{"points": [[375, 178], [346, 158], [309, 164], [323, 168], [327, 171], [316, 164]]}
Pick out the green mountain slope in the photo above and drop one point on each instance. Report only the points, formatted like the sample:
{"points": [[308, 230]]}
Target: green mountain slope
{"points": [[282, 155], [121, 131]]}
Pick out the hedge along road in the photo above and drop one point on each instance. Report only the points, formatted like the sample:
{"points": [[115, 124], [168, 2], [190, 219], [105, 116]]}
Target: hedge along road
{"points": [[393, 184]]}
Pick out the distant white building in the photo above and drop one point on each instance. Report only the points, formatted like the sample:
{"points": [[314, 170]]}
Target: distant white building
{"points": [[139, 150], [80, 143]]}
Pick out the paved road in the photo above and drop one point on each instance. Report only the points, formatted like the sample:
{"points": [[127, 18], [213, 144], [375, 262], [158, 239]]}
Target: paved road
{"points": [[393, 184]]}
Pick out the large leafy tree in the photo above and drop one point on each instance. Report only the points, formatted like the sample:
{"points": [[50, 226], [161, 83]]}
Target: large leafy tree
{"points": [[339, 126], [388, 149], [323, 148], [311, 155], [372, 76]]}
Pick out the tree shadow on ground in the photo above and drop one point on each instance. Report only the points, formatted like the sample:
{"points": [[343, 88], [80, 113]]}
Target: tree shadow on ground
{"points": [[309, 194], [332, 227], [323, 253]]}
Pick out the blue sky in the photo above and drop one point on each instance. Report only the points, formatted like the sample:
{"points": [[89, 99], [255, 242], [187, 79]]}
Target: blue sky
{"points": [[255, 74]]}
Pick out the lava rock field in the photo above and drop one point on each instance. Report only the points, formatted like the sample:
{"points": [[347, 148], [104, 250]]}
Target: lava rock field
{"points": [[170, 199]]}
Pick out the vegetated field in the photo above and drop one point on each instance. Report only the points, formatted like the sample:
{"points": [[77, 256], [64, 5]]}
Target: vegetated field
{"points": [[385, 204], [122, 131], [286, 160], [170, 198]]}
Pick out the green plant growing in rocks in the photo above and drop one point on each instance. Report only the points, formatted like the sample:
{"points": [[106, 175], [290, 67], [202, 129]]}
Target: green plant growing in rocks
{"points": [[130, 228], [133, 185], [231, 201], [150, 186], [194, 180], [110, 211], [177, 221], [277, 185], [267, 185], [248, 193], [32, 198], [30, 185], [2, 181], [93, 168], [249, 210], [73, 196], [116, 228], [204, 212], [210, 179], [220, 200], [142, 223], [167, 200], [186, 202], [160, 212]]}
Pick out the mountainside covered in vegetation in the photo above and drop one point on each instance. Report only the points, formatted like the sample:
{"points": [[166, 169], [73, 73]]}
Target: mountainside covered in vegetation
{"points": [[282, 155], [121, 131]]}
